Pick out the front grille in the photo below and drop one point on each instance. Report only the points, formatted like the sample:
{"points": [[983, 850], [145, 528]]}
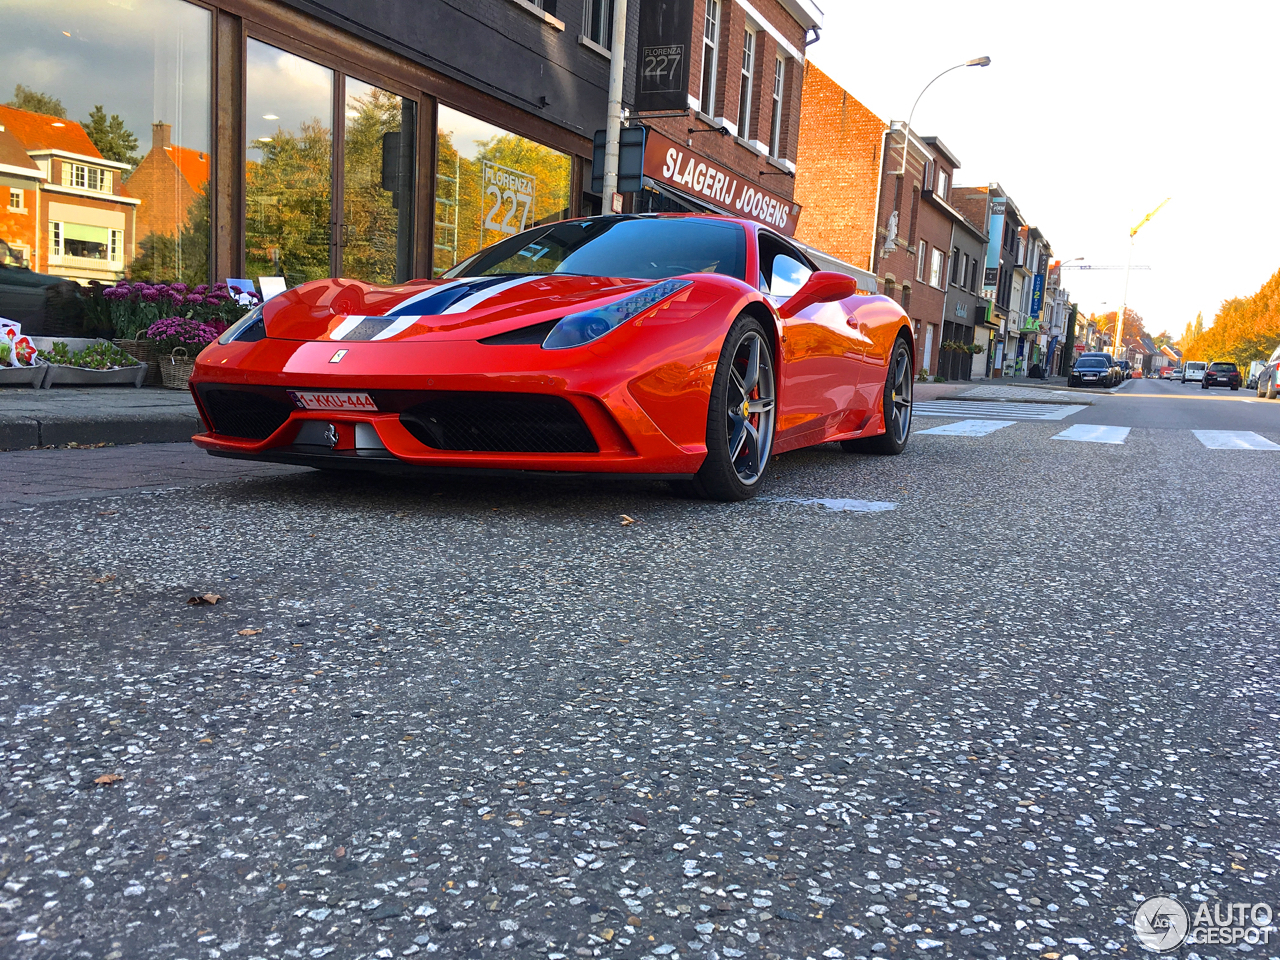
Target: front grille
{"points": [[247, 414], [499, 422]]}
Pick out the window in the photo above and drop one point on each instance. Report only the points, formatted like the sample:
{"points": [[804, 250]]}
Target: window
{"points": [[744, 92], [955, 264], [937, 269], [783, 268], [491, 184], [973, 276], [546, 6], [598, 20], [114, 254], [710, 38], [55, 238], [15, 198], [775, 135], [85, 177], [940, 187], [85, 241], [921, 254]]}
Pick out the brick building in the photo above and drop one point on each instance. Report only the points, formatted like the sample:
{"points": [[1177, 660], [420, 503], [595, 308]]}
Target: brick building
{"points": [[84, 222], [735, 128], [20, 181], [167, 181], [841, 154]]}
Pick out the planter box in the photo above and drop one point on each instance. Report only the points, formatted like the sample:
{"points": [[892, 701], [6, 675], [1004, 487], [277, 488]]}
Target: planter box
{"points": [[24, 376], [84, 377]]}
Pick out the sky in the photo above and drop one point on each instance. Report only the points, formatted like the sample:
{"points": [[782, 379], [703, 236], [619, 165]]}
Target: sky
{"points": [[1090, 115]]}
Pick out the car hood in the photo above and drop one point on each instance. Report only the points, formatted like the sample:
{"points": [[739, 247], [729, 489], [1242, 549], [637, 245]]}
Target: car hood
{"points": [[465, 309]]}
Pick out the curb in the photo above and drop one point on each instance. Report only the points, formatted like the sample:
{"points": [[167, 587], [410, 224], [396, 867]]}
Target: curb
{"points": [[20, 433]]}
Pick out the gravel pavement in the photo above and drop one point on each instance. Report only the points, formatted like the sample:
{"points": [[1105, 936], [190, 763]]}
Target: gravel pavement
{"points": [[488, 719]]}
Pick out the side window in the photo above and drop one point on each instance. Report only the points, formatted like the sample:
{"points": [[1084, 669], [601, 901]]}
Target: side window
{"points": [[783, 270]]}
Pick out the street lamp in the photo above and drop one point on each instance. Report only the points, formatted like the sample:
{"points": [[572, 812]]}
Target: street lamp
{"points": [[975, 62]]}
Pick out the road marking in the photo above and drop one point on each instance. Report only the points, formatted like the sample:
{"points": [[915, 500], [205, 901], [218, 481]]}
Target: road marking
{"points": [[843, 506], [995, 410], [1090, 433], [1234, 440], [969, 428]]}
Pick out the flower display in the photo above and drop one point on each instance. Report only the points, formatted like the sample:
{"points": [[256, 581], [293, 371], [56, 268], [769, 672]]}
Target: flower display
{"points": [[131, 308], [186, 332]]}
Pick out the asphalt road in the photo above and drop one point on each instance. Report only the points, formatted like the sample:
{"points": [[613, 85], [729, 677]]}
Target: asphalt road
{"points": [[1170, 405], [487, 719]]}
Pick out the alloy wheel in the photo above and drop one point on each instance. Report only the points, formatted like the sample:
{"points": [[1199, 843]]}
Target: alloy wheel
{"points": [[900, 380], [751, 408]]}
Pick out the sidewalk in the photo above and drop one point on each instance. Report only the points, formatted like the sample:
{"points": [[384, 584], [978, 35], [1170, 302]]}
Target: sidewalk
{"points": [[93, 415]]}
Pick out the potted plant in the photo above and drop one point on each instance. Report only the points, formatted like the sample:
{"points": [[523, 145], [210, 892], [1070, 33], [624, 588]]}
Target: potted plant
{"points": [[16, 375], [133, 307], [177, 341], [100, 363]]}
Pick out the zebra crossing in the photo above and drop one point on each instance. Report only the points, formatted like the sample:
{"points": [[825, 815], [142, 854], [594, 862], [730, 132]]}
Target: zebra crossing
{"points": [[995, 410], [1097, 433]]}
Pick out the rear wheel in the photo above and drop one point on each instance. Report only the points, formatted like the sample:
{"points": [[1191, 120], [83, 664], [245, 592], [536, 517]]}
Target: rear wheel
{"points": [[740, 418], [1271, 389], [896, 405]]}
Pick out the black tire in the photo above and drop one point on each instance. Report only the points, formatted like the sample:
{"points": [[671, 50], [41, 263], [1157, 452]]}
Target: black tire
{"points": [[1235, 388], [1204, 384], [1271, 390], [896, 399], [740, 418]]}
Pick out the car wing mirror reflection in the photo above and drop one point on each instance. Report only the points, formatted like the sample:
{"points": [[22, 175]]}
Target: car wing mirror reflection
{"points": [[823, 286]]}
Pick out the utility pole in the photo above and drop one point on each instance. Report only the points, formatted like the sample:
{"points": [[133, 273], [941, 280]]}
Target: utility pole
{"points": [[1124, 301], [613, 124]]}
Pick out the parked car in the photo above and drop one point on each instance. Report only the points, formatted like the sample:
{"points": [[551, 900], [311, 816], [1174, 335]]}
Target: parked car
{"points": [[1251, 378], [45, 305], [1170, 373], [1269, 378], [1091, 371], [1127, 368], [1221, 373], [1193, 370], [1115, 374]]}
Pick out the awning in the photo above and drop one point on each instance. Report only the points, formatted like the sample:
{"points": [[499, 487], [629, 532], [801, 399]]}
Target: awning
{"points": [[86, 233]]}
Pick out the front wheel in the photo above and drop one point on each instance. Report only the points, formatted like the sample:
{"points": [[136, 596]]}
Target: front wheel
{"points": [[896, 407], [740, 417]]}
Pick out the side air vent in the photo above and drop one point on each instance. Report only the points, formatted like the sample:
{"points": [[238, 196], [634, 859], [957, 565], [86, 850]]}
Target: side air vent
{"points": [[525, 335]]}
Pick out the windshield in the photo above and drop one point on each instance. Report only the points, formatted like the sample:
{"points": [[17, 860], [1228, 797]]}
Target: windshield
{"points": [[1222, 367], [1091, 363], [638, 248], [1195, 366]]}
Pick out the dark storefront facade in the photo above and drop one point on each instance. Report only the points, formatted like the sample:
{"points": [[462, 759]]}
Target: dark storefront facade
{"points": [[380, 141]]}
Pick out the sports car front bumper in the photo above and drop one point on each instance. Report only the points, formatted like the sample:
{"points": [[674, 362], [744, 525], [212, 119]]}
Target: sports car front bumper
{"points": [[461, 405]]}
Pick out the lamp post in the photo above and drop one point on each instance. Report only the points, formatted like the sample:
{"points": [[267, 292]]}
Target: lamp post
{"points": [[613, 118], [975, 62]]}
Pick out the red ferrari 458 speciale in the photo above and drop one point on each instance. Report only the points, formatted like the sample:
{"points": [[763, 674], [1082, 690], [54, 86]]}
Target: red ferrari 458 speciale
{"points": [[683, 347]]}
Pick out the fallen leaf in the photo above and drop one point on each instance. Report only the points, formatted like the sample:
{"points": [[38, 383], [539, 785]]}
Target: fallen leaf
{"points": [[206, 740], [108, 778], [107, 513], [624, 640], [204, 600], [248, 631], [627, 521], [340, 852], [107, 579], [607, 934]]}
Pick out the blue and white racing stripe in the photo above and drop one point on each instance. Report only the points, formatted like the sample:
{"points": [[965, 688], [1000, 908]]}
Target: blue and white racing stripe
{"points": [[457, 296]]}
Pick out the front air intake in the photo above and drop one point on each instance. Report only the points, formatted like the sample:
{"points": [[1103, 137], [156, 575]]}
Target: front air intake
{"points": [[499, 423]]}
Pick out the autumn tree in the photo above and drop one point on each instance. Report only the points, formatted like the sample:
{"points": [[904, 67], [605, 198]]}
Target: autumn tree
{"points": [[287, 205], [370, 219], [1245, 328]]}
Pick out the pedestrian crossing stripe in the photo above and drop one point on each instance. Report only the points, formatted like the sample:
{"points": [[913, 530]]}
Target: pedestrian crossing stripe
{"points": [[968, 428], [995, 410], [1234, 440], [1091, 433]]}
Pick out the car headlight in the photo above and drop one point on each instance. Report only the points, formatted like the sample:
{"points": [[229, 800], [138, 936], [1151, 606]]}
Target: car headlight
{"points": [[579, 328], [248, 328]]}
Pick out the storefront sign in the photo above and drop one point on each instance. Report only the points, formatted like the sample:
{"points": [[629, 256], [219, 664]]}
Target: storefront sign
{"points": [[508, 200], [720, 189], [995, 230], [666, 32]]}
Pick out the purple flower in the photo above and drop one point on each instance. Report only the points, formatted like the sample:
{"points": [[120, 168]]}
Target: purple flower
{"points": [[150, 296], [202, 289], [193, 298], [178, 287]]}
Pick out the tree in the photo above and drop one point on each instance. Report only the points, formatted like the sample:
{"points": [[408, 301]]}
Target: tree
{"points": [[113, 140], [287, 205], [24, 98], [1245, 328]]}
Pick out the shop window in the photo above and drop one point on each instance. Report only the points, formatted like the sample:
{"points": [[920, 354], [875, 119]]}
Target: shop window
{"points": [[378, 157], [597, 18], [491, 183], [288, 170], [710, 41], [92, 80], [744, 88]]}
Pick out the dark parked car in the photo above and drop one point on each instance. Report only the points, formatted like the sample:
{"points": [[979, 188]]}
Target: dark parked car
{"points": [[1114, 373], [1269, 378], [1126, 367], [1221, 373], [1092, 370], [44, 305]]}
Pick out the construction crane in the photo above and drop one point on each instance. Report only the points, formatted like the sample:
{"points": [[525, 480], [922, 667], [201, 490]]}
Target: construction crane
{"points": [[1091, 266], [1124, 302]]}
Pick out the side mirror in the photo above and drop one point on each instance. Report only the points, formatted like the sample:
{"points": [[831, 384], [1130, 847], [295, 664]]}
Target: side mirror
{"points": [[823, 286]]}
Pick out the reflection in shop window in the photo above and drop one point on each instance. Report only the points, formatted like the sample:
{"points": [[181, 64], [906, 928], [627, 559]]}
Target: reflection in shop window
{"points": [[288, 175], [126, 85], [491, 184]]}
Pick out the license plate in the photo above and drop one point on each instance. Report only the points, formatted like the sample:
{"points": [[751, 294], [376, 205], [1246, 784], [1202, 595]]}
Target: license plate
{"points": [[333, 402]]}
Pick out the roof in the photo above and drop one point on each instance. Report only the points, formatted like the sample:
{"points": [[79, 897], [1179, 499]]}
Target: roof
{"points": [[39, 132], [806, 13], [942, 149], [193, 164], [14, 159]]}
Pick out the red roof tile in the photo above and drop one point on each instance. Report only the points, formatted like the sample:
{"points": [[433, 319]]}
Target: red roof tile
{"points": [[39, 132], [193, 164]]}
